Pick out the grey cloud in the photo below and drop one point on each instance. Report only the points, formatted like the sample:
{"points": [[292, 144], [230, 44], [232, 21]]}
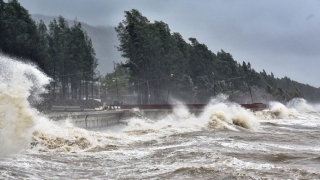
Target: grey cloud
{"points": [[310, 16]]}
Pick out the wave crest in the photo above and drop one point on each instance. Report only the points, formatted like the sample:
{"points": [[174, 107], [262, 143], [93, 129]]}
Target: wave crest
{"points": [[229, 115], [20, 83]]}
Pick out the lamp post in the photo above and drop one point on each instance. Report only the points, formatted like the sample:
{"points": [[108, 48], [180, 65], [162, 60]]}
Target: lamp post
{"points": [[115, 74], [170, 86], [99, 84], [214, 86], [148, 92]]}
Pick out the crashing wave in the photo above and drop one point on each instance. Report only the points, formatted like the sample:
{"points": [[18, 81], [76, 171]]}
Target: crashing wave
{"points": [[20, 83], [224, 114]]}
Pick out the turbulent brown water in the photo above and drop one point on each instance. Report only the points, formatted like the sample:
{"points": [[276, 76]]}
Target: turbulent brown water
{"points": [[224, 142]]}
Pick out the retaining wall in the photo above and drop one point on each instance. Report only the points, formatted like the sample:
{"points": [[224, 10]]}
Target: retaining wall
{"points": [[96, 119], [91, 119]]}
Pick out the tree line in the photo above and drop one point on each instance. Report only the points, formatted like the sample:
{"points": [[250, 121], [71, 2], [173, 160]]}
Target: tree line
{"points": [[63, 52], [161, 63]]}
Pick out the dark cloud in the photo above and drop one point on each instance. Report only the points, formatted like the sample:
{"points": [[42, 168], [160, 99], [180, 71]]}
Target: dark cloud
{"points": [[279, 36]]}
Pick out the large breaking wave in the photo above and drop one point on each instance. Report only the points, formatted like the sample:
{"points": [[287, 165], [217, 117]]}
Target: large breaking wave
{"points": [[20, 83]]}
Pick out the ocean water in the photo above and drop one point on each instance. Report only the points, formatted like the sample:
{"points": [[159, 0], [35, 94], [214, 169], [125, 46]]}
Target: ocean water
{"points": [[224, 142]]}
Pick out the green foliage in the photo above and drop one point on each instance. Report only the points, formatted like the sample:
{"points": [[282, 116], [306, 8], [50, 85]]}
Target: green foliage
{"points": [[151, 52], [65, 53], [190, 71], [158, 63], [72, 56], [18, 33], [282, 95], [117, 82]]}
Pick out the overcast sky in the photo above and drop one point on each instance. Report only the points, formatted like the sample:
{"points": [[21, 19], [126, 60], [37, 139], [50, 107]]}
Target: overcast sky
{"points": [[282, 37]]}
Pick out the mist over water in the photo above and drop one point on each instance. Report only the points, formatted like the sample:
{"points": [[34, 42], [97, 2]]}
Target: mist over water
{"points": [[225, 141]]}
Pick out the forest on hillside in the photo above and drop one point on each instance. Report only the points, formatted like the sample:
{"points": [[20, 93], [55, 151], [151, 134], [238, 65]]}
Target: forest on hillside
{"points": [[104, 39], [160, 65], [163, 64], [63, 52]]}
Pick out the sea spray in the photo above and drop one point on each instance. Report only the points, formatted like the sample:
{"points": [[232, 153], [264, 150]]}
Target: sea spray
{"points": [[18, 83], [223, 114], [50, 136], [297, 108], [21, 125], [301, 105], [181, 111], [277, 111], [219, 113], [179, 121]]}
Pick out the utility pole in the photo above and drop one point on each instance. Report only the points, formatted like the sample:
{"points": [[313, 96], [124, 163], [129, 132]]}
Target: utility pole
{"points": [[214, 86], [92, 84], [249, 90], [170, 86], [99, 87], [99, 84], [54, 80], [148, 92], [115, 74]]}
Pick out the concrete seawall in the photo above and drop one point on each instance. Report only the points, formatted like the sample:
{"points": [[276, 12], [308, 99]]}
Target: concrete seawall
{"points": [[122, 114], [91, 119], [97, 119]]}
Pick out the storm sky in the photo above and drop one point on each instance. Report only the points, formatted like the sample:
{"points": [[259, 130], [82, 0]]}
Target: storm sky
{"points": [[282, 37]]}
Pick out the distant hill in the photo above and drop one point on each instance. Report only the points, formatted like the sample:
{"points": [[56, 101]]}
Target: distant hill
{"points": [[104, 40]]}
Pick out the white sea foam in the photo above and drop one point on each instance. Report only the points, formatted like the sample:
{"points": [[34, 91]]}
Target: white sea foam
{"points": [[281, 111], [277, 111], [217, 114], [21, 125], [301, 105], [180, 121], [19, 84], [297, 109], [224, 114]]}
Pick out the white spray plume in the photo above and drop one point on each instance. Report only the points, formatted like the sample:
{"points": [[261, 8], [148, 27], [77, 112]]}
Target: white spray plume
{"points": [[18, 82], [301, 105], [225, 114]]}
